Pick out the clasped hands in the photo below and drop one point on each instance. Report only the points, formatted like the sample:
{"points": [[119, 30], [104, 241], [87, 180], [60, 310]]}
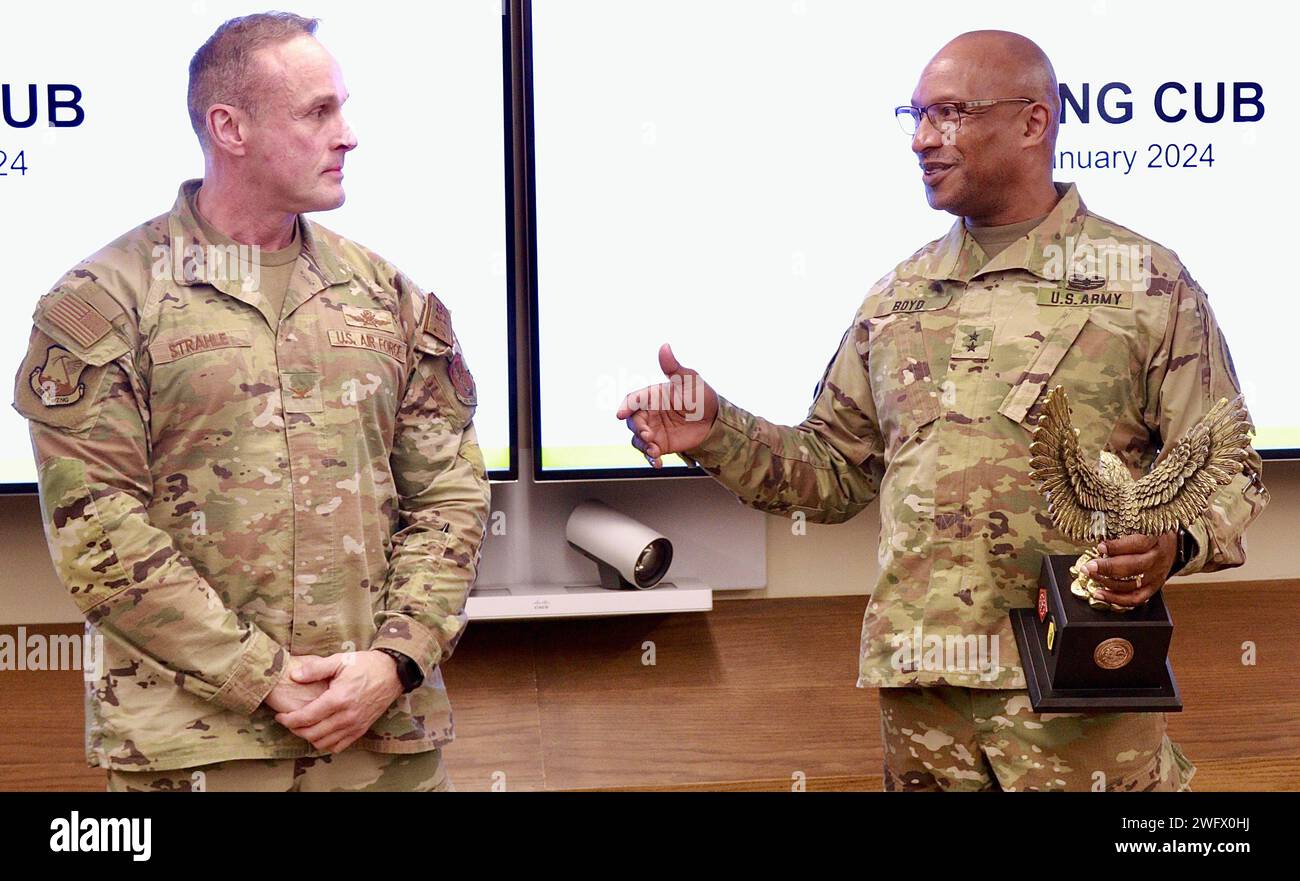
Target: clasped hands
{"points": [[331, 701]]}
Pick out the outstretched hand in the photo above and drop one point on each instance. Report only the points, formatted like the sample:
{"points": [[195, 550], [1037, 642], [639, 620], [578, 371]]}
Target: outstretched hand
{"points": [[672, 416]]}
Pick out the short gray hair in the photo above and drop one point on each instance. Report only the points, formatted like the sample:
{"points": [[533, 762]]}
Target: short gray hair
{"points": [[223, 70]]}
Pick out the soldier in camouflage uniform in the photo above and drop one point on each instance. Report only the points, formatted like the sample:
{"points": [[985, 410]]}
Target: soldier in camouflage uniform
{"points": [[929, 403], [268, 497]]}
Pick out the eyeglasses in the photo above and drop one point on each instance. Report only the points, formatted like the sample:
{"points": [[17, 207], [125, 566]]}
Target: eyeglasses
{"points": [[945, 116]]}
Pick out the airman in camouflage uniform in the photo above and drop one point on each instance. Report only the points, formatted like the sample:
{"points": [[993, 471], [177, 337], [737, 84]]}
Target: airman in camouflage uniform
{"points": [[227, 484], [218, 494], [929, 403]]}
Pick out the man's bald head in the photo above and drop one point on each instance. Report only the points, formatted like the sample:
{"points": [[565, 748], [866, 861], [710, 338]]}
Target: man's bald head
{"points": [[982, 167], [1002, 64]]}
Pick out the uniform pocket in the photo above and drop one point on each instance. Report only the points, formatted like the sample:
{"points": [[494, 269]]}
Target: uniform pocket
{"points": [[1032, 382], [905, 393], [364, 371], [197, 373], [1091, 358]]}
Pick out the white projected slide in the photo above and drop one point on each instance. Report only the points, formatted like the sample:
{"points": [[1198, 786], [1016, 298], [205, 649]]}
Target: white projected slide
{"points": [[425, 186], [728, 176]]}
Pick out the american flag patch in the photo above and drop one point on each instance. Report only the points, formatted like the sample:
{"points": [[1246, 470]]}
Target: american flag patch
{"points": [[77, 318]]}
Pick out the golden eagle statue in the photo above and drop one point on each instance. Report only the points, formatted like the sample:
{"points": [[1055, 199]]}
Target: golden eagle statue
{"points": [[1089, 504]]}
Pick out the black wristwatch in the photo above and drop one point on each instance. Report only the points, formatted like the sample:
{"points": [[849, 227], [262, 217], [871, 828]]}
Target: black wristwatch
{"points": [[408, 672], [1184, 552]]}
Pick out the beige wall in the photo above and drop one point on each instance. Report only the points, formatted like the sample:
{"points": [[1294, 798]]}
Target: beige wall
{"points": [[30, 593], [827, 561]]}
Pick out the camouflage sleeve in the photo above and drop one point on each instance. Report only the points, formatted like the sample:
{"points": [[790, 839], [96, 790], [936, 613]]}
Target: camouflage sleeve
{"points": [[89, 433], [1191, 370], [443, 489], [829, 466]]}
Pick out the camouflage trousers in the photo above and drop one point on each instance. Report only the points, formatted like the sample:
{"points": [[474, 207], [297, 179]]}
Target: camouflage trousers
{"points": [[949, 738], [353, 770]]}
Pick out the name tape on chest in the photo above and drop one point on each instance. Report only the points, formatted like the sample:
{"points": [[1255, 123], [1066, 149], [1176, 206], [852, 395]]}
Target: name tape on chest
{"points": [[906, 304], [1065, 296], [1047, 296], [167, 350], [375, 342]]}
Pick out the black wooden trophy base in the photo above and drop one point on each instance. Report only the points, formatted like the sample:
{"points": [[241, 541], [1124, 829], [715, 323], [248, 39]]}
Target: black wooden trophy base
{"points": [[1068, 678]]}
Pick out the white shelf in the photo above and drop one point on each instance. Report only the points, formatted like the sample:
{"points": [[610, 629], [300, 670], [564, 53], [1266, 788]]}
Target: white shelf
{"points": [[586, 601]]}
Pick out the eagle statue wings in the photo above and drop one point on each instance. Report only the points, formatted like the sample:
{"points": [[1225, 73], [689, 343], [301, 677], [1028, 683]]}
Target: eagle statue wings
{"points": [[1089, 504], [1174, 493]]}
